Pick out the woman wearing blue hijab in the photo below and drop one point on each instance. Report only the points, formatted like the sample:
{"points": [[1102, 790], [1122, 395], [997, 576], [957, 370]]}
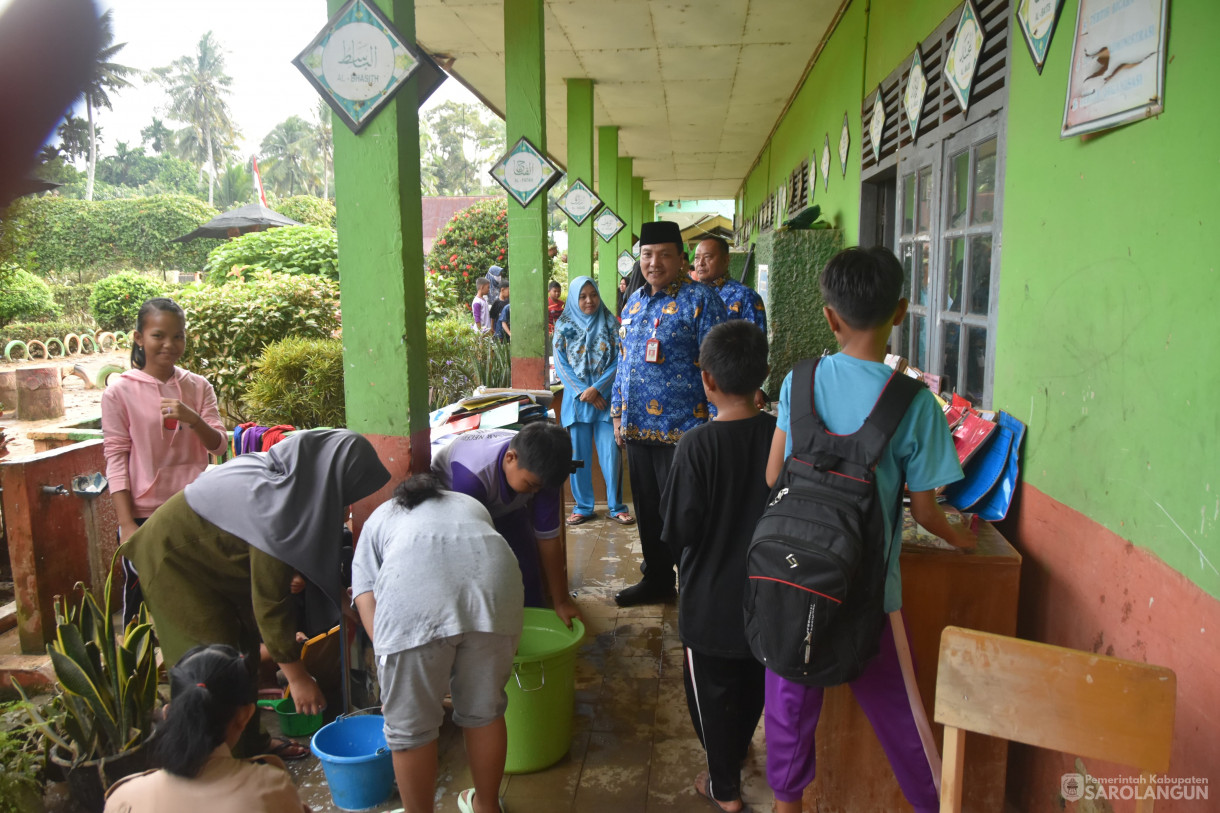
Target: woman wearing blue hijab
{"points": [[586, 360]]}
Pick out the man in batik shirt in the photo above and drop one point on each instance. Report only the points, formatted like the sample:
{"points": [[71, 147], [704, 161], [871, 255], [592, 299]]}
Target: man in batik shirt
{"points": [[712, 268], [658, 392]]}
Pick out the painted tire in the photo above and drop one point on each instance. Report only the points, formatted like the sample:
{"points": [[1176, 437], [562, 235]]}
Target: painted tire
{"points": [[68, 344], [15, 343], [106, 336], [92, 344], [57, 343], [34, 344], [105, 373]]}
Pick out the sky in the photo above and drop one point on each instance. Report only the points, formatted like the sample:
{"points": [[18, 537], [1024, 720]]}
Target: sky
{"points": [[260, 39]]}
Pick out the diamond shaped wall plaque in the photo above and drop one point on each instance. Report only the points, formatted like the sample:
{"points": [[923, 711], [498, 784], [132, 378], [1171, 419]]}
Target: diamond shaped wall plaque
{"points": [[844, 143], [524, 172], [963, 58], [607, 224], [876, 125], [825, 167], [1037, 19], [578, 202], [916, 90], [625, 263], [357, 62]]}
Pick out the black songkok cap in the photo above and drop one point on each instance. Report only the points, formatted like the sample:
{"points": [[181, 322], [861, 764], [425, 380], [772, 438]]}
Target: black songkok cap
{"points": [[660, 231]]}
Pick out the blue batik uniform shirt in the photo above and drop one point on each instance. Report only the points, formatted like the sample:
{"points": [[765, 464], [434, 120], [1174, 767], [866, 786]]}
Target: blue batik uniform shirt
{"points": [[741, 301], [658, 402]]}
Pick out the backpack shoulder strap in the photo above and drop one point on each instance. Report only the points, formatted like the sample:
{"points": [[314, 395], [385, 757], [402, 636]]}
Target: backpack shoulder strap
{"points": [[899, 391], [804, 423]]}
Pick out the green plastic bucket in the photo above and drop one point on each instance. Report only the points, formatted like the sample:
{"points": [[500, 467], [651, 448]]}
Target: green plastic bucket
{"points": [[292, 722], [542, 692]]}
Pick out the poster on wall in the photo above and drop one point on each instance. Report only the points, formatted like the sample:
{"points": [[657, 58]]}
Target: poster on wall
{"points": [[876, 125], [963, 59], [524, 172], [1037, 20], [844, 143], [1117, 73], [578, 202], [825, 167], [916, 91]]}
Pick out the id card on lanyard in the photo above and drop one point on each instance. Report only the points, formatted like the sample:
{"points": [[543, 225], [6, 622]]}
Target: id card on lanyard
{"points": [[652, 348]]}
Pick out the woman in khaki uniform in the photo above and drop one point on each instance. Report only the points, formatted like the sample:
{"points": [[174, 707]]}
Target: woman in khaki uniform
{"points": [[213, 699], [216, 561]]}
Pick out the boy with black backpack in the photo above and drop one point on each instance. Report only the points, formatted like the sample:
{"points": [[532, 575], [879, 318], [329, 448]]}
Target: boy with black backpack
{"points": [[859, 424]]}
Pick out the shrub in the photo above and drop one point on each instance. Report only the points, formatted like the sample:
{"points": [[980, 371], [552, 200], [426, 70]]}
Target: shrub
{"points": [[54, 234], [286, 250], [116, 300], [40, 331], [229, 325], [73, 299], [460, 359], [297, 381], [307, 209], [24, 296], [441, 294], [475, 239]]}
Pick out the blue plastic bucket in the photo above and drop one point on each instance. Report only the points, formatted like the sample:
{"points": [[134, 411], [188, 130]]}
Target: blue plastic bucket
{"points": [[358, 765]]}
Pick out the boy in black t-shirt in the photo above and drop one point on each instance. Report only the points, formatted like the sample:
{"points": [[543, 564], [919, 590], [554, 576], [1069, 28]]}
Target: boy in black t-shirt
{"points": [[716, 492]]}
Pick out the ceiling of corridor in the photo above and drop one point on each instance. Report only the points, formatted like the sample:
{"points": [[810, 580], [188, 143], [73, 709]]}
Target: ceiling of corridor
{"points": [[695, 86]]}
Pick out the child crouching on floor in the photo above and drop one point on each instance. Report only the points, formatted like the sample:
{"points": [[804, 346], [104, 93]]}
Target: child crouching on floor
{"points": [[715, 494], [440, 593]]}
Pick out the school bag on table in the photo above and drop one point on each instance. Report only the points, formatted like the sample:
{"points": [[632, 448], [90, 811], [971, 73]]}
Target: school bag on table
{"points": [[816, 565]]}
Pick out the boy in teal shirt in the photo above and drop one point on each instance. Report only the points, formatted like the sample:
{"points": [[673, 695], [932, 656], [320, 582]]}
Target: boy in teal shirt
{"points": [[862, 289]]}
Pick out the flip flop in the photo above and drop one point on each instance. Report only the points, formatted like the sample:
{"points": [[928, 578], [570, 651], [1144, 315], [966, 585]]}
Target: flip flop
{"points": [[287, 750], [465, 801], [623, 518], [703, 786], [577, 519]]}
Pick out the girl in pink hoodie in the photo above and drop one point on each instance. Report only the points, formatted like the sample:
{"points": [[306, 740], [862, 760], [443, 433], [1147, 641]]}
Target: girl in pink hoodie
{"points": [[159, 423]]}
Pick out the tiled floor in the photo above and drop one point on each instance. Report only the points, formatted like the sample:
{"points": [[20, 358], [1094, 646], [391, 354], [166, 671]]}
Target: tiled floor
{"points": [[633, 747]]}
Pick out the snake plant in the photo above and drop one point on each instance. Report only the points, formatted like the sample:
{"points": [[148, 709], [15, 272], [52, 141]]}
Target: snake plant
{"points": [[107, 684]]}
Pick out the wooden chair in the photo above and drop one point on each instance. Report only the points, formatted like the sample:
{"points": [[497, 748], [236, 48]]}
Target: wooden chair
{"points": [[1051, 697]]}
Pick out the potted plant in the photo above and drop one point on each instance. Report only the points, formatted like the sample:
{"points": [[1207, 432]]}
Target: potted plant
{"points": [[107, 692], [22, 778]]}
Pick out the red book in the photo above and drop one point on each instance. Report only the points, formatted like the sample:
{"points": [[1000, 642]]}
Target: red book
{"points": [[970, 435]]}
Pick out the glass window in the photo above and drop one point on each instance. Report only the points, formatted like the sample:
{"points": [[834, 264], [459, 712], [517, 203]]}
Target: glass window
{"points": [[976, 364], [908, 259], [949, 354], [980, 273], [908, 204], [984, 183], [923, 219], [918, 353], [959, 190], [955, 262]]}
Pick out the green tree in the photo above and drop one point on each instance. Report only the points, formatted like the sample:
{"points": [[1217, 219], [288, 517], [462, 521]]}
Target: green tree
{"points": [[323, 139], [198, 89], [157, 136], [235, 187], [106, 77], [462, 141], [287, 149], [73, 135]]}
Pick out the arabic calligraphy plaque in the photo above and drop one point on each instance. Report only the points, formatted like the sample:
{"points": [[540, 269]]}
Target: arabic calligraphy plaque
{"points": [[523, 171], [578, 202]]}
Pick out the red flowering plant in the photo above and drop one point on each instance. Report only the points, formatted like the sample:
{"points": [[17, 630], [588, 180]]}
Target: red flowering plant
{"points": [[470, 243]]}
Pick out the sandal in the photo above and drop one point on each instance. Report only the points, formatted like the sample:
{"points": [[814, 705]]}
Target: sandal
{"points": [[287, 750], [578, 519], [623, 518], [465, 801], [703, 786]]}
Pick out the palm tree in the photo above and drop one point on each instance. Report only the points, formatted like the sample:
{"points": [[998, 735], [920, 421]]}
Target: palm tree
{"points": [[106, 76], [324, 144], [198, 88], [286, 147], [74, 135], [157, 136]]}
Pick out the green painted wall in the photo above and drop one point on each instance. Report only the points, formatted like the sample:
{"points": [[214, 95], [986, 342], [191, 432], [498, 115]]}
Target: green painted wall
{"points": [[1106, 340], [381, 261]]}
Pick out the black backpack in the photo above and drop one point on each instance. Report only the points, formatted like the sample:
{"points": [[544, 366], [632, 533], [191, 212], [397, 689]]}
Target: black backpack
{"points": [[817, 562]]}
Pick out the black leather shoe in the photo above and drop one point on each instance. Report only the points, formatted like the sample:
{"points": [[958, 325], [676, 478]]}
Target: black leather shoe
{"points": [[644, 593]]}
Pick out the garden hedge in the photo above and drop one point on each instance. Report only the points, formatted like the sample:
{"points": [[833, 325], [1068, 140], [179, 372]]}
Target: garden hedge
{"points": [[284, 250], [53, 235]]}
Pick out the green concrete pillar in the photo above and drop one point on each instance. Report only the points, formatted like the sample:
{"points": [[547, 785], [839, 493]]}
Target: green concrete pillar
{"points": [[580, 165], [381, 273], [607, 190], [637, 204], [627, 207], [525, 115]]}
